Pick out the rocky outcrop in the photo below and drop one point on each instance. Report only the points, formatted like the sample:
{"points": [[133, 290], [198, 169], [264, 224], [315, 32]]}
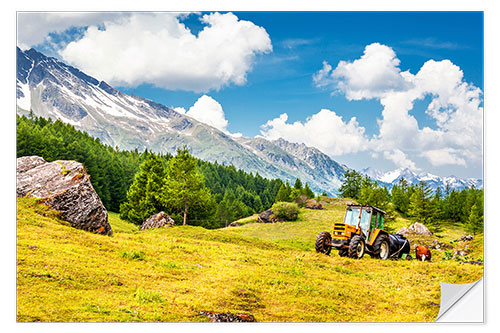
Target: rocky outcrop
{"points": [[64, 186], [439, 245], [466, 238], [266, 216], [234, 224], [416, 228], [313, 204], [157, 221]]}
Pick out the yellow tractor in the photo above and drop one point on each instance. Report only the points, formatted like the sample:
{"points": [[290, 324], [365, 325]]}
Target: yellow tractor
{"points": [[362, 231]]}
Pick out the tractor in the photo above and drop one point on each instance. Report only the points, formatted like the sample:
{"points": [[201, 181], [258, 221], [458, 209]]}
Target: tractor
{"points": [[362, 231]]}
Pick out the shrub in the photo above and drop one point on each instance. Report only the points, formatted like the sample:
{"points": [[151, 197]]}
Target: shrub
{"points": [[287, 211]]}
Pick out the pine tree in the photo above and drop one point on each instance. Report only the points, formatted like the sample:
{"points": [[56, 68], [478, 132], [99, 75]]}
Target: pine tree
{"points": [[351, 186], [298, 184], [401, 196], [423, 208], [143, 196], [184, 187], [308, 192], [283, 194], [475, 221]]}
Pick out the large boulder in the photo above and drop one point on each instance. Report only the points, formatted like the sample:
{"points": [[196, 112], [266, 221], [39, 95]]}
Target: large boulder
{"points": [[266, 216], [313, 204], [157, 221], [415, 228], [65, 186]]}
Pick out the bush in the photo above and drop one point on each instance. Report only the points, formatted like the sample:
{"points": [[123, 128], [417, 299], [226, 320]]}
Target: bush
{"points": [[286, 211]]}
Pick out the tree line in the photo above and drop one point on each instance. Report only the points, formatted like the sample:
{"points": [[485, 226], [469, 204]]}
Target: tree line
{"points": [[419, 201], [233, 193]]}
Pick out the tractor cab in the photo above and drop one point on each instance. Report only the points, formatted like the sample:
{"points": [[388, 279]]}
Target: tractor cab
{"points": [[367, 218]]}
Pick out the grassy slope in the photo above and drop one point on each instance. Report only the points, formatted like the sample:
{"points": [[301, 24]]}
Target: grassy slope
{"points": [[268, 270]]}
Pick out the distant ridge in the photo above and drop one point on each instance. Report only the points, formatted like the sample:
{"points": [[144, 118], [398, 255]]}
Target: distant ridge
{"points": [[391, 178]]}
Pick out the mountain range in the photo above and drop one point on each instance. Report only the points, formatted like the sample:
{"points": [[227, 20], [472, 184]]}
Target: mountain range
{"points": [[52, 89], [391, 178]]}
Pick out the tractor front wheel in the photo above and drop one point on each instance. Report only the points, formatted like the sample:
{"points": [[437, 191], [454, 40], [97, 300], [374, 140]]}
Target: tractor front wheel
{"points": [[357, 247], [324, 243], [382, 247]]}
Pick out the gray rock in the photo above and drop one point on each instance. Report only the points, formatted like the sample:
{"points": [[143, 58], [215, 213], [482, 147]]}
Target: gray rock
{"points": [[64, 186], [266, 216], [27, 163], [415, 228], [234, 224], [313, 204], [466, 238], [157, 221]]}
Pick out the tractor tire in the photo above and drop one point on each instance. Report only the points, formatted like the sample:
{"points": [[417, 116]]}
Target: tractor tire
{"points": [[343, 252], [382, 247], [356, 247], [323, 242]]}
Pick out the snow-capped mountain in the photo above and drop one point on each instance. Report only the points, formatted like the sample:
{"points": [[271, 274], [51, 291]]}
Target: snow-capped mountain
{"points": [[52, 89], [391, 178]]}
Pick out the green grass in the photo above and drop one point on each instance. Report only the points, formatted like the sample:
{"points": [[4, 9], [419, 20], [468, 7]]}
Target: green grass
{"points": [[119, 225], [170, 274]]}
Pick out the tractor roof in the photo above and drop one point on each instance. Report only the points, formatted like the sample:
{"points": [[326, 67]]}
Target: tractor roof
{"points": [[366, 206]]}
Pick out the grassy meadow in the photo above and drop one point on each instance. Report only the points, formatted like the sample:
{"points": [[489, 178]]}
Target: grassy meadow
{"points": [[268, 270]]}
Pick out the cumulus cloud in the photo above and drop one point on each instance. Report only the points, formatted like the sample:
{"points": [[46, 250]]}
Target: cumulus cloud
{"points": [[34, 27], [157, 48], [444, 156], [455, 107], [322, 78], [324, 130], [371, 76], [207, 110], [400, 159]]}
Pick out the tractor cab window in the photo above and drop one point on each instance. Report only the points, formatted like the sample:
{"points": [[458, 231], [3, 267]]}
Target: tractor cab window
{"points": [[352, 216]]}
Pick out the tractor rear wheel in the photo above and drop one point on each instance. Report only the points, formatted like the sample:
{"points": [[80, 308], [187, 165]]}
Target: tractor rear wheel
{"points": [[323, 243], [382, 247], [356, 247]]}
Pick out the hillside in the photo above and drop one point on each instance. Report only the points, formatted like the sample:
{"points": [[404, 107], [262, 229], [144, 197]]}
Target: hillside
{"points": [[268, 270]]}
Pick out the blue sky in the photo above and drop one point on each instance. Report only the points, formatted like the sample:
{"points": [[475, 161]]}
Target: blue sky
{"points": [[289, 49]]}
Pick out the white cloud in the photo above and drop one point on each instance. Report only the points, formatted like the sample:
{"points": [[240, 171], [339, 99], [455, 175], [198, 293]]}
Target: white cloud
{"points": [[34, 27], [160, 50], [456, 135], [180, 110], [322, 77], [373, 75], [400, 159], [444, 156], [208, 111], [324, 130]]}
